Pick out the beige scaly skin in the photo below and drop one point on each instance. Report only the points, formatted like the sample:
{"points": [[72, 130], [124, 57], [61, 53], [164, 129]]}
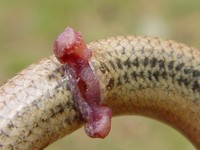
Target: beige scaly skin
{"points": [[138, 75]]}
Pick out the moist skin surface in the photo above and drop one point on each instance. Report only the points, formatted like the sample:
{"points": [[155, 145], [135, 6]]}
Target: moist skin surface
{"points": [[71, 50]]}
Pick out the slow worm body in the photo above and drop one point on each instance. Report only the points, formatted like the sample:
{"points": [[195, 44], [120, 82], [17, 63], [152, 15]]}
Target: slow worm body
{"points": [[138, 75]]}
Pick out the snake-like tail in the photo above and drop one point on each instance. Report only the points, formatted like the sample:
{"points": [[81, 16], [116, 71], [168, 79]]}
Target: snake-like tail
{"points": [[137, 75]]}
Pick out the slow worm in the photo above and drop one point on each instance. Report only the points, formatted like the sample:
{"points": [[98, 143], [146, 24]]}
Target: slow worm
{"points": [[138, 75]]}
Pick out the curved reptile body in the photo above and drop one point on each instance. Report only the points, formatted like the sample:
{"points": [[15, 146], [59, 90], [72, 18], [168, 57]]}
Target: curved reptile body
{"points": [[138, 75]]}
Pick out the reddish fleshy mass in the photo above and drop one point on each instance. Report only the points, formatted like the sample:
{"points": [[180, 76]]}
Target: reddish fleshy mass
{"points": [[69, 47], [71, 50]]}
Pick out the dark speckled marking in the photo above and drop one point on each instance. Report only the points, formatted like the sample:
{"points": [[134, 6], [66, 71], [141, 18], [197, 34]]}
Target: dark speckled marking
{"points": [[112, 64], [110, 84], [187, 70], [195, 86], [164, 74], [126, 78], [127, 63], [103, 68], [134, 75], [149, 75], [161, 64], [119, 64], [179, 67], [10, 125], [136, 62], [158, 74], [51, 76], [153, 62], [61, 108], [119, 82], [196, 73], [171, 65], [141, 74], [183, 81], [146, 61]]}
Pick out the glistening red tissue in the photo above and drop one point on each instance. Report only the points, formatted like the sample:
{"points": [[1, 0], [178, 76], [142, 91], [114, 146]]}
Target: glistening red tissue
{"points": [[71, 50]]}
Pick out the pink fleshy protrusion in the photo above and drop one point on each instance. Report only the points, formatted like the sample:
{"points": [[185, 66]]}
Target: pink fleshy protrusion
{"points": [[70, 46], [71, 50], [65, 42], [99, 124]]}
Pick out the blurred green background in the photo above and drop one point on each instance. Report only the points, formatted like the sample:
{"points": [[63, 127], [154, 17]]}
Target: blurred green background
{"points": [[28, 29]]}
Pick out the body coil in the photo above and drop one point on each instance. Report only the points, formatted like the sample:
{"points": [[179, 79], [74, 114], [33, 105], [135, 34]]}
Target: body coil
{"points": [[138, 75]]}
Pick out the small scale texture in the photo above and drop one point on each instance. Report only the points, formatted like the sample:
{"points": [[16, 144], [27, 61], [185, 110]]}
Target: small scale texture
{"points": [[137, 75]]}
